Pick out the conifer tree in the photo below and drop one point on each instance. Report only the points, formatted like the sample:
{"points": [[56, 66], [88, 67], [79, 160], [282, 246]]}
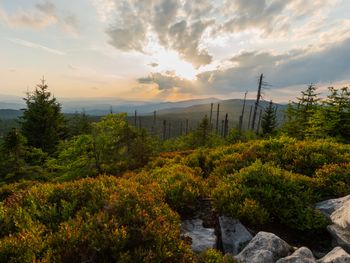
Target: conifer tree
{"points": [[307, 104], [333, 118], [202, 131], [300, 113], [42, 121], [13, 147], [269, 119]]}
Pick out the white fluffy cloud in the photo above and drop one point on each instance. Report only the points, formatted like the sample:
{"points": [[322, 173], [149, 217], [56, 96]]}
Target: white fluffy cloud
{"points": [[326, 64], [181, 25]]}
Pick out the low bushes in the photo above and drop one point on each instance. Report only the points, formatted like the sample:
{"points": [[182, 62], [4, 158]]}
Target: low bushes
{"points": [[100, 220], [263, 192], [303, 157], [181, 185], [333, 180]]}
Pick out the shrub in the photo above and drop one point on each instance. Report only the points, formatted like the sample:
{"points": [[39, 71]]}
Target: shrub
{"points": [[303, 157], [96, 220], [262, 192], [181, 185], [214, 256], [333, 180]]}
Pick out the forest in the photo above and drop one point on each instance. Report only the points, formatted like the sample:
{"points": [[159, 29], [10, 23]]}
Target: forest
{"points": [[82, 189]]}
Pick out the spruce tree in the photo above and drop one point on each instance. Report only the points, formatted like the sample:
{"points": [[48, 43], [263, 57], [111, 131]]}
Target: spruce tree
{"points": [[333, 118], [42, 121], [269, 119], [307, 105], [300, 113]]}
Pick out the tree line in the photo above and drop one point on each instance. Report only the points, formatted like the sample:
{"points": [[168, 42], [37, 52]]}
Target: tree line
{"points": [[47, 143]]}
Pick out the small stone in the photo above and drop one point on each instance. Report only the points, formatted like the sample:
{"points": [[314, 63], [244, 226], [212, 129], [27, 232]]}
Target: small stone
{"points": [[202, 238]]}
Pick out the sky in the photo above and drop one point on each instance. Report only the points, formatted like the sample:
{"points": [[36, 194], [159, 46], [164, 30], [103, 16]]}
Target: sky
{"points": [[173, 49]]}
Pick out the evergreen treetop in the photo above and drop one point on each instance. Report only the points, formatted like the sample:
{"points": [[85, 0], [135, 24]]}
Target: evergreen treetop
{"points": [[42, 121], [269, 119]]}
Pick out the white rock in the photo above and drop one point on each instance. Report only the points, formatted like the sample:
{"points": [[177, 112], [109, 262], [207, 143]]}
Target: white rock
{"points": [[329, 206], [264, 248], [234, 235], [337, 255], [202, 238], [338, 211], [301, 255]]}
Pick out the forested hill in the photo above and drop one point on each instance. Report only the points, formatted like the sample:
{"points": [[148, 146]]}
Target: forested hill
{"points": [[8, 114], [232, 107]]}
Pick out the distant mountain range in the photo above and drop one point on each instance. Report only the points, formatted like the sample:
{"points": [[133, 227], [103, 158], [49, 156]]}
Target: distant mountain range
{"points": [[174, 113], [174, 110], [100, 107]]}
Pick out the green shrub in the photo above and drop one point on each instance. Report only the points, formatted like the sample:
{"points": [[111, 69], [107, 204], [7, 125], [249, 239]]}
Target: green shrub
{"points": [[303, 157], [262, 192], [181, 185], [250, 210]]}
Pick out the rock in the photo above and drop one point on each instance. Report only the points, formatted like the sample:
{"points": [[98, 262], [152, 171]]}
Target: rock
{"points": [[202, 238], [234, 235], [329, 206], [301, 255], [338, 211], [337, 255], [264, 248]]}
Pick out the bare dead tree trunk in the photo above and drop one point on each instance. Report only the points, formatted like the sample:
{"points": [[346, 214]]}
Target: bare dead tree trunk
{"points": [[217, 119], [257, 100], [258, 128], [226, 126], [242, 115]]}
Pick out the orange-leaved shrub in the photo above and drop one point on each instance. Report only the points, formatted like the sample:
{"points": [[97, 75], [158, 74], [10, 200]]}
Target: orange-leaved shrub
{"points": [[91, 220], [333, 180]]}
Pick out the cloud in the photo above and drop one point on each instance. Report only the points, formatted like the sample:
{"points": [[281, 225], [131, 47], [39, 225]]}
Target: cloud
{"points": [[28, 44], [323, 65], [70, 24], [46, 8], [167, 81], [153, 64], [42, 15], [137, 21], [183, 25], [104, 9], [297, 67]]}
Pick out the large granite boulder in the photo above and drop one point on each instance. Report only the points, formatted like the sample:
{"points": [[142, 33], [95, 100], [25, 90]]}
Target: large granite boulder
{"points": [[301, 255], [338, 211], [337, 255], [234, 235], [328, 207], [264, 248], [202, 238]]}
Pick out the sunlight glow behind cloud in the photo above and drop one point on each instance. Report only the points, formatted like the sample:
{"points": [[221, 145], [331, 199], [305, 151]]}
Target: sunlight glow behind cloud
{"points": [[172, 48]]}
